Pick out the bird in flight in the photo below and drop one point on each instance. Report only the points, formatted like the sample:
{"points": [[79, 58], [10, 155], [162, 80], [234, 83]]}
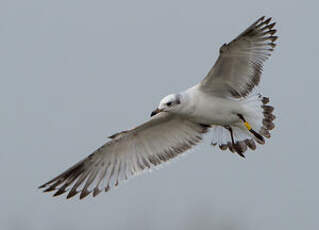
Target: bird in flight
{"points": [[224, 102]]}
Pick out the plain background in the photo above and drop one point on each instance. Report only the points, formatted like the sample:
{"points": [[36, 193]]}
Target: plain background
{"points": [[74, 72]]}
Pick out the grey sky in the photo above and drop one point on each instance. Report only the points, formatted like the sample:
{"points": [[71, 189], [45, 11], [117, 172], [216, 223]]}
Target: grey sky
{"points": [[74, 72]]}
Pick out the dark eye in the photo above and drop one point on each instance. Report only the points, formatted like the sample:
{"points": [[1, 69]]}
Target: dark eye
{"points": [[169, 103]]}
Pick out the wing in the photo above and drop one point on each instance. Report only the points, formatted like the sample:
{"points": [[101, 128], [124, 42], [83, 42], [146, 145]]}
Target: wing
{"points": [[240, 63], [163, 137]]}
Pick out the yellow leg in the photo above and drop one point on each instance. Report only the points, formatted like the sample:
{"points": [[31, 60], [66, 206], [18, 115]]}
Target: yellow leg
{"points": [[248, 126]]}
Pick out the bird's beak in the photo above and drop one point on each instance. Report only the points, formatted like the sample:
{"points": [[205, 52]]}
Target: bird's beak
{"points": [[156, 111]]}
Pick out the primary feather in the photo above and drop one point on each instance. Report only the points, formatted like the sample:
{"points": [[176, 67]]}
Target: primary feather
{"points": [[163, 137], [240, 63]]}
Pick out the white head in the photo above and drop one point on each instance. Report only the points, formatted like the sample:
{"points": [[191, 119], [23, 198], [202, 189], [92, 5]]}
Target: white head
{"points": [[171, 103]]}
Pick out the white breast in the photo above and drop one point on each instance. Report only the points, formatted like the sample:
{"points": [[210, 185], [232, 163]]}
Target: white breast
{"points": [[212, 110]]}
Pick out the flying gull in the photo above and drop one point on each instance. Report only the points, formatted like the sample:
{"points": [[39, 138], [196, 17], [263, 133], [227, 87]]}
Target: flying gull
{"points": [[224, 102]]}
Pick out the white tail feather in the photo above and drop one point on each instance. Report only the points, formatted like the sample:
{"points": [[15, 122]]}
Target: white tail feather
{"points": [[259, 116]]}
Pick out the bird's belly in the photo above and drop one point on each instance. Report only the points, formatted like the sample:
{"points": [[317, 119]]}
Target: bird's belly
{"points": [[216, 112]]}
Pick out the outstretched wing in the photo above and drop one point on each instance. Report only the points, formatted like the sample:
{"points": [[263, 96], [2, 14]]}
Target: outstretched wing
{"points": [[240, 63], [163, 137]]}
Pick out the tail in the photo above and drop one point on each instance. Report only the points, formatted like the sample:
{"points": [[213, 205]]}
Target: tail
{"points": [[259, 116]]}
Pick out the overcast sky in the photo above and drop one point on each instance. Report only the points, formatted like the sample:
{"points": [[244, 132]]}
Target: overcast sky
{"points": [[74, 72]]}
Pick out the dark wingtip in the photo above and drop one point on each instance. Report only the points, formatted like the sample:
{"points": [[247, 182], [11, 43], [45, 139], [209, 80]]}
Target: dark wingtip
{"points": [[96, 192], [107, 188], [71, 194], [49, 189], [84, 194], [270, 26], [261, 18], [268, 20], [42, 186], [59, 192]]}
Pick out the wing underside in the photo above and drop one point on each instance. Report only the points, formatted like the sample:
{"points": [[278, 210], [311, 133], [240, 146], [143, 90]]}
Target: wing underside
{"points": [[239, 66], [127, 154]]}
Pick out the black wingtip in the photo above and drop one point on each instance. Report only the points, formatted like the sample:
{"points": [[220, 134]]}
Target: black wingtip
{"points": [[42, 186], [96, 191], [84, 194], [261, 18], [268, 20], [59, 192], [49, 189], [71, 194]]}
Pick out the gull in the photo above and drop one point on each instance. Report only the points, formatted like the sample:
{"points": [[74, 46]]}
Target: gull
{"points": [[224, 103]]}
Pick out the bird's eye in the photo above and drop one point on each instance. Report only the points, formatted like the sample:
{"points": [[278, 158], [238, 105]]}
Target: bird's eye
{"points": [[169, 103]]}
